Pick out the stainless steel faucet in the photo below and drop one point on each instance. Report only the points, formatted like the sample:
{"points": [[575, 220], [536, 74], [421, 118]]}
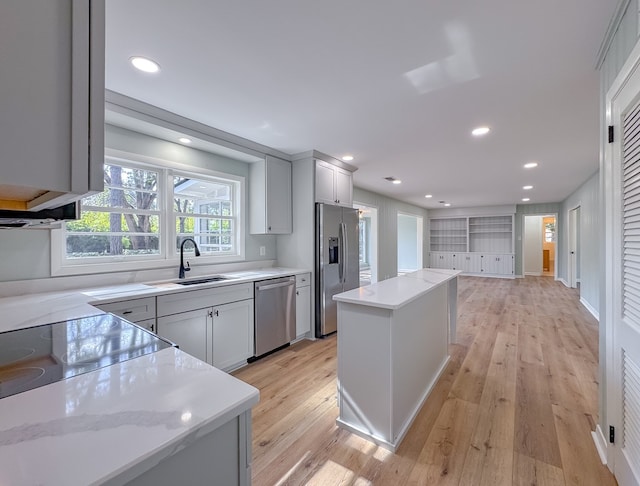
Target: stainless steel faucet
{"points": [[182, 268]]}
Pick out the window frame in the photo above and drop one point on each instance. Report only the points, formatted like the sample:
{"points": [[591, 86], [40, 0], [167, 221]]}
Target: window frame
{"points": [[169, 256]]}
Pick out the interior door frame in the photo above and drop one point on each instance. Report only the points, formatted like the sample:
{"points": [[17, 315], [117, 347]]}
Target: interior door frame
{"points": [[555, 260], [374, 237], [419, 237], [573, 253], [624, 92]]}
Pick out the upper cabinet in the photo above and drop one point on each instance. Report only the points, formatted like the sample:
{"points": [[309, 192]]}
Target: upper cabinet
{"points": [[270, 196], [334, 185], [51, 102]]}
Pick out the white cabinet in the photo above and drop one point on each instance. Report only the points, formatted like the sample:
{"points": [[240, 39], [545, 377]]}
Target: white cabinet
{"points": [[441, 259], [51, 102], [497, 264], [334, 185], [303, 304], [270, 210], [191, 331], [232, 334], [214, 325], [469, 262]]}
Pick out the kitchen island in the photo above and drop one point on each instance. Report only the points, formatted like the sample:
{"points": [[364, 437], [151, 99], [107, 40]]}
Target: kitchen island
{"points": [[393, 339]]}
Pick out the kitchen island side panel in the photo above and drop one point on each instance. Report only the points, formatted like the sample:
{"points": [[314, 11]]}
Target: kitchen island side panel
{"points": [[364, 375], [419, 349]]}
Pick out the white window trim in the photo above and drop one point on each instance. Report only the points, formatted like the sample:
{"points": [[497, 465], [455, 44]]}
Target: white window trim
{"points": [[169, 256]]}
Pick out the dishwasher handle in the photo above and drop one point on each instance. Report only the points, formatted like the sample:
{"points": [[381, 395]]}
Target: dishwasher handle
{"points": [[275, 285]]}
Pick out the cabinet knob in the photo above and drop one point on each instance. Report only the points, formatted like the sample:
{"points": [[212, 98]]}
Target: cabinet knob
{"points": [[216, 313], [297, 292], [210, 313], [269, 228]]}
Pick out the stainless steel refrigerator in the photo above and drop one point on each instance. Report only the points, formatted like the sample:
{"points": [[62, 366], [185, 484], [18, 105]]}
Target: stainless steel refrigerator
{"points": [[337, 261]]}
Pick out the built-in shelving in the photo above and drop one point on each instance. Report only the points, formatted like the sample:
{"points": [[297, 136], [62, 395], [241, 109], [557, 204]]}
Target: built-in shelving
{"points": [[475, 244]]}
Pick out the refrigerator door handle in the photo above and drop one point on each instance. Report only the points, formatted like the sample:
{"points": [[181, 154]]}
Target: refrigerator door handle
{"points": [[345, 254], [341, 254]]}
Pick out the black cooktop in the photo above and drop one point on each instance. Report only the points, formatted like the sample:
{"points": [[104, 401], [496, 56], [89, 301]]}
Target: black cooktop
{"points": [[37, 356]]}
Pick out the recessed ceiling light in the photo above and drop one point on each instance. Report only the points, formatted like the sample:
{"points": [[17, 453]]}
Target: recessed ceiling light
{"points": [[184, 140], [478, 132], [397, 181], [530, 165], [525, 199], [526, 188], [144, 64], [428, 196], [447, 204], [347, 158]]}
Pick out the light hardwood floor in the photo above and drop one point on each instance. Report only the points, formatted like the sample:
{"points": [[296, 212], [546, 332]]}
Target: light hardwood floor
{"points": [[515, 405]]}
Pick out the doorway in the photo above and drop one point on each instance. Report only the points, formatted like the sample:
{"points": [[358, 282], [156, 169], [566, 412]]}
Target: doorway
{"points": [[368, 244], [539, 245], [409, 243]]}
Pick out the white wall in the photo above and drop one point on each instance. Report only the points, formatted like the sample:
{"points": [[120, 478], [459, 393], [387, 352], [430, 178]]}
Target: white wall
{"points": [[388, 210], [533, 236], [27, 253], [587, 196], [407, 242]]}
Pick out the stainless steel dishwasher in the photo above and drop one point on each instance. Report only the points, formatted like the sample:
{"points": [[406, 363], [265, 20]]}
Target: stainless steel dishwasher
{"points": [[275, 313]]}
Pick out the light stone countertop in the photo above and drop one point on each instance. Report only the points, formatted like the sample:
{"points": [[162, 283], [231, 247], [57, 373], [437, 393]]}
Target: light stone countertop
{"points": [[398, 291], [119, 420]]}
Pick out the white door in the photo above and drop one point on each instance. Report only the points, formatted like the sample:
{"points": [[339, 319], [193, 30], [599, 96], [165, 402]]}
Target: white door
{"points": [[573, 246], [622, 166]]}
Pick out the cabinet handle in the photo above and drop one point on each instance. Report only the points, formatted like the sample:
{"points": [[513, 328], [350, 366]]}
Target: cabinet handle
{"points": [[127, 312], [297, 292], [269, 228], [210, 313], [153, 328], [216, 313]]}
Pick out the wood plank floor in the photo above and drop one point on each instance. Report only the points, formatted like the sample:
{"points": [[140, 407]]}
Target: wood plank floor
{"points": [[515, 405]]}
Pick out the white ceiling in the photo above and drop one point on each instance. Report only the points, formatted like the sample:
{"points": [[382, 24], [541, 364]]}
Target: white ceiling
{"points": [[399, 85]]}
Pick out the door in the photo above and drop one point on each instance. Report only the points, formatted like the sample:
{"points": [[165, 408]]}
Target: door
{"points": [[191, 331], [622, 164]]}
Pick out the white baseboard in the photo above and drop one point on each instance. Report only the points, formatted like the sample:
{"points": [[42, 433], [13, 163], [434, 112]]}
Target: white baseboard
{"points": [[566, 284], [601, 443], [589, 307]]}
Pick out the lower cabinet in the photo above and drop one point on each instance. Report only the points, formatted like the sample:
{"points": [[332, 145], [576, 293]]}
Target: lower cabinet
{"points": [[474, 262], [303, 310], [191, 331], [220, 335], [232, 334]]}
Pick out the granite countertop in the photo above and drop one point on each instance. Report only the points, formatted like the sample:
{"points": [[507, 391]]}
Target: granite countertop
{"points": [[398, 291], [114, 423]]}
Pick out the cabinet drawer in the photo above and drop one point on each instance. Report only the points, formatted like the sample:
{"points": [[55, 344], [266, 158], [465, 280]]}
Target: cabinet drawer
{"points": [[199, 299], [133, 310], [303, 280]]}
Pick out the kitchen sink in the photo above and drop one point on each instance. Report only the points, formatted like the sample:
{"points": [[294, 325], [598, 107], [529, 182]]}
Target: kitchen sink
{"points": [[195, 281]]}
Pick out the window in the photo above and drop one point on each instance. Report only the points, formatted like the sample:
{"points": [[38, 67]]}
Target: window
{"points": [[143, 215], [549, 232], [123, 220]]}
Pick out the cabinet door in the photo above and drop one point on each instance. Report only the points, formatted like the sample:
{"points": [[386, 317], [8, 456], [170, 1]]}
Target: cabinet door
{"points": [[278, 196], [191, 331], [325, 179], [148, 324], [436, 259], [343, 187], [133, 310], [232, 334], [51, 101], [303, 310], [471, 263], [505, 264]]}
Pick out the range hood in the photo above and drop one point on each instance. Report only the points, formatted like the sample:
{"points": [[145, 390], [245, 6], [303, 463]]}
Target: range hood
{"points": [[45, 218]]}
